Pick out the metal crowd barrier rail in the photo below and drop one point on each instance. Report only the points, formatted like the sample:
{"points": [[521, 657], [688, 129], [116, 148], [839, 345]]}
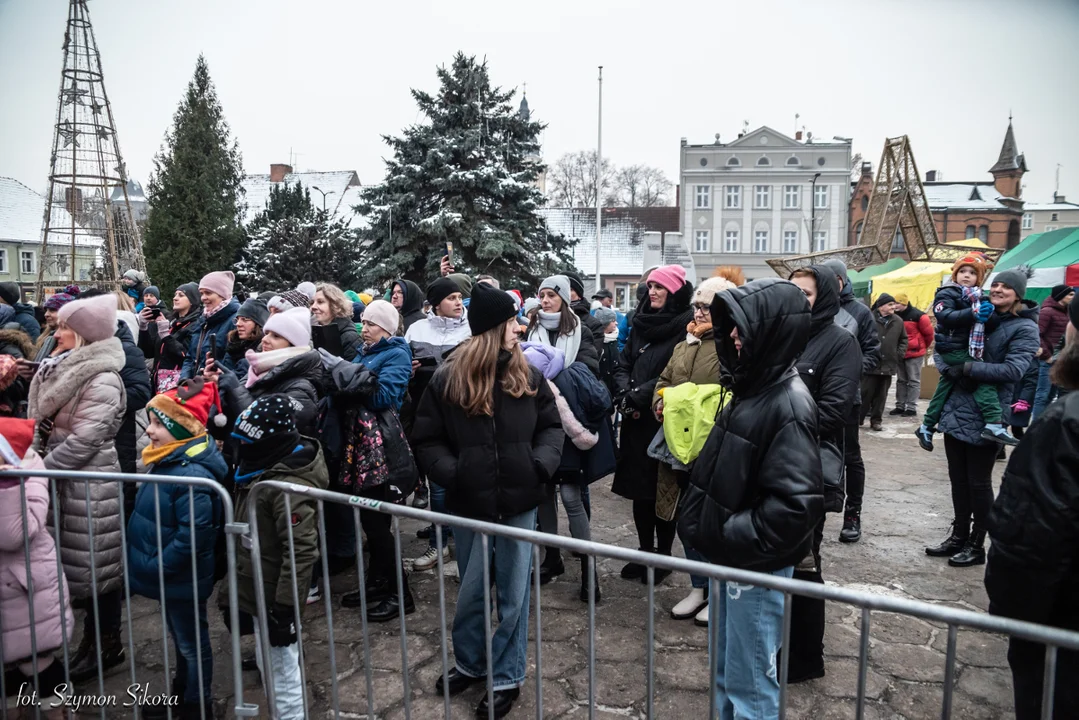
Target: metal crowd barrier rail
{"points": [[1052, 638], [81, 481]]}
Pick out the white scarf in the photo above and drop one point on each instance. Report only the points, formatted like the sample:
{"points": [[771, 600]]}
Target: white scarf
{"points": [[261, 363], [569, 344]]}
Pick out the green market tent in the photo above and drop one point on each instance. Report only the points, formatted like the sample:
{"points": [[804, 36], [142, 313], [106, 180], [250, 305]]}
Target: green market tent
{"points": [[1054, 257], [859, 279]]}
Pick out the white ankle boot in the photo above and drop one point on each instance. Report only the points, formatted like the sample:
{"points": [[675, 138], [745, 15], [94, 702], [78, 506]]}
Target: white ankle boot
{"points": [[702, 617], [691, 605]]}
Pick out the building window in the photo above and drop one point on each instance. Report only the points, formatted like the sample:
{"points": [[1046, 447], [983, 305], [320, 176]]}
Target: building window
{"points": [[1053, 217], [734, 196], [701, 243], [704, 197], [865, 203], [730, 241], [760, 241], [971, 231], [734, 162], [762, 197], [26, 262], [898, 245], [793, 160], [790, 241], [820, 197], [763, 161], [3, 262], [820, 239], [1028, 221], [983, 233], [791, 193]]}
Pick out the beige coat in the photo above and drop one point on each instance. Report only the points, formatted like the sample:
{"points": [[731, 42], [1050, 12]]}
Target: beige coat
{"points": [[84, 396]]}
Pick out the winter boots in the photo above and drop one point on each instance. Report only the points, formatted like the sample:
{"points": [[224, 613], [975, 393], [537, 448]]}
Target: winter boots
{"points": [[552, 565], [692, 604], [584, 581], [973, 551], [952, 544], [852, 527]]}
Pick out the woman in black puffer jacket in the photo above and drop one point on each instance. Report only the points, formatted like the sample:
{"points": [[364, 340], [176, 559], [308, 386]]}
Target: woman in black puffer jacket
{"points": [[658, 325]]}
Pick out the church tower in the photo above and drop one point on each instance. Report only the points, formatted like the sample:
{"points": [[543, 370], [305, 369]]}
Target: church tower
{"points": [[1010, 167]]}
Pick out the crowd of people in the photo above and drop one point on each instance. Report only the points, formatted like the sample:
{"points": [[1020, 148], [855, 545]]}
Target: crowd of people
{"points": [[728, 413]]}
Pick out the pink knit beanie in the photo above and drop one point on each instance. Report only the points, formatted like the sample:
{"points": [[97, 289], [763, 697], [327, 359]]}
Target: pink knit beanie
{"points": [[220, 282], [384, 315], [294, 325], [672, 277], [94, 318]]}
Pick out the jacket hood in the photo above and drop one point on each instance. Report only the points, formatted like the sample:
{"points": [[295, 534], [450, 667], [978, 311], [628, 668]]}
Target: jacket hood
{"points": [[123, 334], [826, 305], [198, 451], [838, 267], [15, 336], [413, 297], [773, 320], [304, 466], [1030, 310], [1052, 303]]}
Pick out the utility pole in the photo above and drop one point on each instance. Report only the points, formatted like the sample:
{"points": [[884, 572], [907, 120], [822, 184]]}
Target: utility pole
{"points": [[599, 179]]}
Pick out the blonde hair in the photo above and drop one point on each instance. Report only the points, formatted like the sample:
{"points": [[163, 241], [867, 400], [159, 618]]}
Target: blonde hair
{"points": [[80, 341], [124, 301], [472, 369], [339, 303]]}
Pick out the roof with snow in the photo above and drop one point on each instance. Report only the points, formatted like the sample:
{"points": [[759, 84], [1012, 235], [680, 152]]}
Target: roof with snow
{"points": [[22, 211], [622, 252], [1051, 207], [1010, 157], [966, 196], [337, 185], [134, 193]]}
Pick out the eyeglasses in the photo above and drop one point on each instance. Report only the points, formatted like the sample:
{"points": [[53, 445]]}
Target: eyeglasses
{"points": [[698, 307]]}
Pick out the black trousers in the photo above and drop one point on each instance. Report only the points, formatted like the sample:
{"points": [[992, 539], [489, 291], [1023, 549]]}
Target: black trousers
{"points": [[852, 453], [970, 471], [380, 547], [651, 529], [1027, 660], [874, 396], [110, 608]]}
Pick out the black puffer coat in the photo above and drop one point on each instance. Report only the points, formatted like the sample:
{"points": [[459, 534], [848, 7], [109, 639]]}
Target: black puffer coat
{"points": [[1033, 569], [492, 467], [831, 364], [300, 378], [583, 310], [755, 493], [646, 353]]}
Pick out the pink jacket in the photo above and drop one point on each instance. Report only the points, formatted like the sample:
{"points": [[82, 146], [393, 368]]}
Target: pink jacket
{"points": [[47, 581]]}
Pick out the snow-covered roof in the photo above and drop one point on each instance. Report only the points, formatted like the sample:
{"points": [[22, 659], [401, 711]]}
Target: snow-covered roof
{"points": [[22, 211], [969, 196], [1051, 207], [334, 184], [622, 250], [135, 193]]}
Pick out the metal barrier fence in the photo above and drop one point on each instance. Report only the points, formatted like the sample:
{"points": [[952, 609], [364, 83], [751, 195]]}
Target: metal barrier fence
{"points": [[1052, 638], [76, 487]]}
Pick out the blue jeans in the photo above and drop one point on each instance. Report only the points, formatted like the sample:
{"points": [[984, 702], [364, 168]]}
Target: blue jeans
{"points": [[511, 570], [438, 505], [180, 617], [747, 629], [1041, 395]]}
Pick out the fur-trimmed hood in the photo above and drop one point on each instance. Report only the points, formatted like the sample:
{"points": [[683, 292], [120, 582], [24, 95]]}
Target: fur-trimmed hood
{"points": [[55, 385], [19, 339]]}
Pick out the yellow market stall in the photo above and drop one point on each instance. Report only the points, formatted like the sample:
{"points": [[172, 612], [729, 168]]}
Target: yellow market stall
{"points": [[919, 280]]}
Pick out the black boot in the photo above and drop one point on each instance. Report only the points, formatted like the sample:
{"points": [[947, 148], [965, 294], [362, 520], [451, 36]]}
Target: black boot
{"points": [[378, 589], [852, 527], [658, 574], [635, 571], [159, 711], [389, 608], [584, 581], [972, 553], [112, 654], [952, 544], [552, 566]]}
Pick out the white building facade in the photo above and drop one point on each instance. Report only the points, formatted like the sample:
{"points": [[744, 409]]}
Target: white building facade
{"points": [[763, 195], [1046, 217]]}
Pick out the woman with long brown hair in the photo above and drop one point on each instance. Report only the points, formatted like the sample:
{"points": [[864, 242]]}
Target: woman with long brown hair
{"points": [[488, 431]]}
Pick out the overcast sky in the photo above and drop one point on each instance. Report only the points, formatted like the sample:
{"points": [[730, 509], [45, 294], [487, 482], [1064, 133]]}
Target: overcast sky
{"points": [[327, 78]]}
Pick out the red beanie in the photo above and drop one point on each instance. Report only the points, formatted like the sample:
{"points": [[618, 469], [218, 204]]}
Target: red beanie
{"points": [[18, 433], [186, 409]]}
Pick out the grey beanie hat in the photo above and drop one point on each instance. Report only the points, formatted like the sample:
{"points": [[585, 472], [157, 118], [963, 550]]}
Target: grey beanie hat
{"points": [[558, 283], [606, 316], [1015, 278]]}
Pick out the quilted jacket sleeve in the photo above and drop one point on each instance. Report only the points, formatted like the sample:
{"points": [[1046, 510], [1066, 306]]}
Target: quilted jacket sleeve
{"points": [[94, 420], [430, 438], [548, 438], [838, 385], [1021, 348]]}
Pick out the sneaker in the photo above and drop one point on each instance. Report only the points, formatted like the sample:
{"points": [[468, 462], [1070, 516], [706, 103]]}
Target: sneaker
{"points": [[875, 426], [998, 433], [925, 437], [896, 411], [314, 595], [430, 559], [420, 500]]}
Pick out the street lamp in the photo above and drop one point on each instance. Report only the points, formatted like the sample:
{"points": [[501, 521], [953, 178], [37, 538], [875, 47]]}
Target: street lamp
{"points": [[813, 212], [324, 194]]}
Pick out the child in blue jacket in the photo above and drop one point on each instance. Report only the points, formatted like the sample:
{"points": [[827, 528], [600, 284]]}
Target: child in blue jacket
{"points": [[181, 447]]}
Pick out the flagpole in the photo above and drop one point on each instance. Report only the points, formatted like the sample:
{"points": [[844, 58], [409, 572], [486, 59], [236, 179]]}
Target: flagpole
{"points": [[599, 178]]}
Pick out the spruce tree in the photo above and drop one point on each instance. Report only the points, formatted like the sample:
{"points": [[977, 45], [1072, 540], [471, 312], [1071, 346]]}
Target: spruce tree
{"points": [[291, 241], [465, 175], [195, 192]]}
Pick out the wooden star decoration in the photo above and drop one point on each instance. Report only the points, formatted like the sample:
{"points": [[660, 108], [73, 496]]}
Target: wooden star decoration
{"points": [[96, 108], [103, 133]]}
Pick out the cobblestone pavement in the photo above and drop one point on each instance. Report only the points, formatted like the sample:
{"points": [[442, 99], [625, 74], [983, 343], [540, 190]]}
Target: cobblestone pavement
{"points": [[907, 506]]}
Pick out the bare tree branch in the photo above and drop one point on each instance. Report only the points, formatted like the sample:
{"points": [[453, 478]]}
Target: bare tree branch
{"points": [[640, 186], [572, 180]]}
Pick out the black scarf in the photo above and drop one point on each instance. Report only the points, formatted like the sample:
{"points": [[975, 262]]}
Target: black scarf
{"points": [[670, 321]]}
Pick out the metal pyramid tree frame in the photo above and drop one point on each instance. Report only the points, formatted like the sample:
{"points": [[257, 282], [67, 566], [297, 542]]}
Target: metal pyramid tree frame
{"points": [[897, 206], [82, 222]]}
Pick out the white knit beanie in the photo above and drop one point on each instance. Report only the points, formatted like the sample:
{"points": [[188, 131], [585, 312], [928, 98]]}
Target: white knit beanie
{"points": [[707, 290], [384, 315], [294, 325]]}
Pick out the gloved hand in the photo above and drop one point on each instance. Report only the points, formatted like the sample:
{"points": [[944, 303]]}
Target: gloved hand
{"points": [[952, 372], [282, 626], [985, 311], [1020, 406], [329, 360]]}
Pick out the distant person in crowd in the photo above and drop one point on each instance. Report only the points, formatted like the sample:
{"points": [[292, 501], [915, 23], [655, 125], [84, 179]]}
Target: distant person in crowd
{"points": [[46, 342], [1009, 349], [583, 309], [1033, 568], [877, 381], [189, 517], [1052, 321], [608, 360], [488, 432], [919, 339], [219, 310], [11, 295], [134, 283], [79, 391], [125, 310], [659, 324], [488, 280], [251, 318], [963, 324], [332, 309], [151, 296], [754, 496], [167, 339], [302, 297], [408, 299]]}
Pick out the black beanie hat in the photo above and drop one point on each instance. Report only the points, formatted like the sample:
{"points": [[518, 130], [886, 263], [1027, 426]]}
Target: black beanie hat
{"points": [[489, 308], [191, 290], [255, 310], [575, 285], [267, 433], [884, 299], [1060, 292], [441, 289]]}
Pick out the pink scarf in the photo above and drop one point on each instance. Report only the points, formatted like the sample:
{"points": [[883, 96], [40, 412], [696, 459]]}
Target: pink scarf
{"points": [[263, 362]]}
